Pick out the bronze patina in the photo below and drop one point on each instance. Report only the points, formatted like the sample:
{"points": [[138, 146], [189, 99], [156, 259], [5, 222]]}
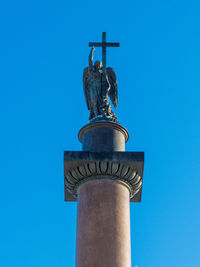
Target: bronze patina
{"points": [[100, 83]]}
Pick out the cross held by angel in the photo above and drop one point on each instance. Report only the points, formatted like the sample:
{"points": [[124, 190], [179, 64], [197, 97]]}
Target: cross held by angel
{"points": [[100, 83]]}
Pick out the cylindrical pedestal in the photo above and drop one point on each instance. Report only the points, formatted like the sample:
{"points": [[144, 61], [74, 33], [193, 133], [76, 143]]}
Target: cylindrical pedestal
{"points": [[103, 137], [103, 220], [103, 228]]}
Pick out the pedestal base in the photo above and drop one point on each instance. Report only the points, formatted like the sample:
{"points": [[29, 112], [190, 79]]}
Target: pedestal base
{"points": [[103, 136]]}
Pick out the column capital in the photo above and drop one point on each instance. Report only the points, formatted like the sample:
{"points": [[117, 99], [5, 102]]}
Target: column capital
{"points": [[123, 167]]}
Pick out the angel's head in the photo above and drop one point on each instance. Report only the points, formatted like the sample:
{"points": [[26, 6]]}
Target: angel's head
{"points": [[98, 65]]}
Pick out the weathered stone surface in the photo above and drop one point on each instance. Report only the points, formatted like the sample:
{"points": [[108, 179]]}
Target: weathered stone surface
{"points": [[123, 167]]}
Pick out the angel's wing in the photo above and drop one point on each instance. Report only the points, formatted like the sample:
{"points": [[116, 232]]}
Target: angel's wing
{"points": [[113, 93], [85, 86]]}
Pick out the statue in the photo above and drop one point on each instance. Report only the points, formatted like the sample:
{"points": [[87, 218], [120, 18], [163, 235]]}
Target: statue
{"points": [[99, 84]]}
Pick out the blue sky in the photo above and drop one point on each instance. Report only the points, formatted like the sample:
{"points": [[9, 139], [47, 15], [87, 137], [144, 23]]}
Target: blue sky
{"points": [[43, 51]]}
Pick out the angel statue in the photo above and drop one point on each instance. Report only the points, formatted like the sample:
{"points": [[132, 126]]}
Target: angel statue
{"points": [[99, 83]]}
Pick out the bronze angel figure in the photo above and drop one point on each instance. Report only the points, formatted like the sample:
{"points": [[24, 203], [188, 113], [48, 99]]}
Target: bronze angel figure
{"points": [[99, 84]]}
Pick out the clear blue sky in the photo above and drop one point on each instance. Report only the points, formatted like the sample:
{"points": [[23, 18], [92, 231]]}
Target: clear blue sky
{"points": [[43, 51]]}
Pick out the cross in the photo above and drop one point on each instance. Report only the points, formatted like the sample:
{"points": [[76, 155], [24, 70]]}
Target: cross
{"points": [[103, 44]]}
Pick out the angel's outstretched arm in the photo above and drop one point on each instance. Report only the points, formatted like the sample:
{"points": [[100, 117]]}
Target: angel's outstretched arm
{"points": [[91, 58]]}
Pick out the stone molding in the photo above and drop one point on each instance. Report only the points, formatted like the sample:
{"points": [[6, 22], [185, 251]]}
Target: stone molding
{"points": [[93, 170], [103, 124]]}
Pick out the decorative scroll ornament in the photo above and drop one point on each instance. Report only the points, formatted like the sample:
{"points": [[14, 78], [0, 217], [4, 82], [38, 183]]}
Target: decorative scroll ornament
{"points": [[117, 171]]}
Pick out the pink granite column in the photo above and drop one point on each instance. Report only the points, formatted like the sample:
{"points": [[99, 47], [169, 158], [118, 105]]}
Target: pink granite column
{"points": [[103, 179], [103, 225]]}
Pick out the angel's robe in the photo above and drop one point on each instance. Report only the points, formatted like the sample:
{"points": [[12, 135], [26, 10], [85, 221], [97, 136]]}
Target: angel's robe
{"points": [[98, 86]]}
